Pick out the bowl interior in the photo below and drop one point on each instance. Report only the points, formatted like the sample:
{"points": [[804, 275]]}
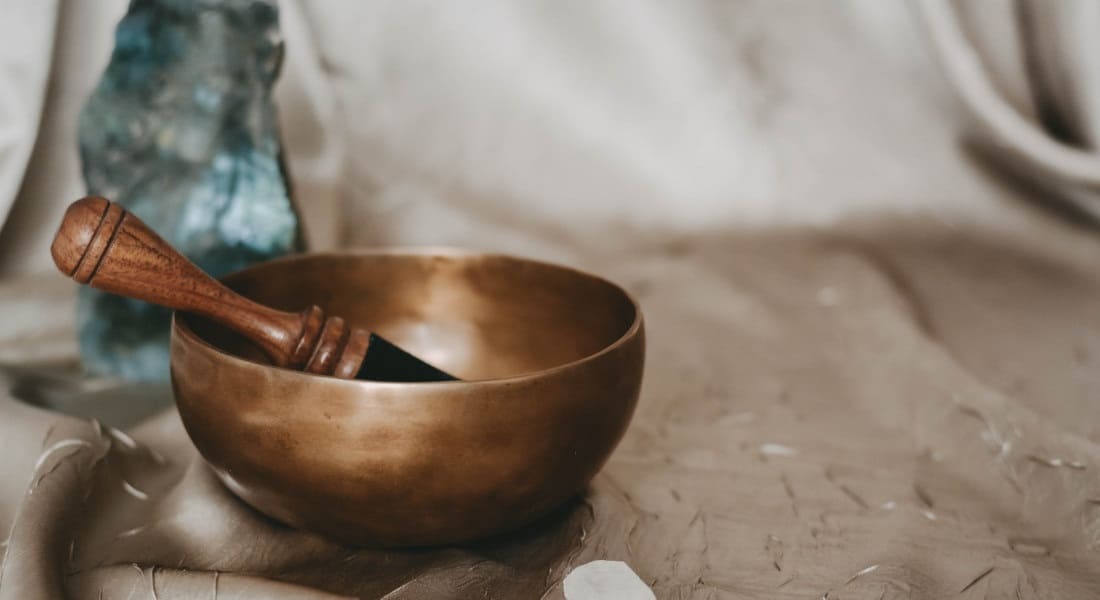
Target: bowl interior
{"points": [[476, 316]]}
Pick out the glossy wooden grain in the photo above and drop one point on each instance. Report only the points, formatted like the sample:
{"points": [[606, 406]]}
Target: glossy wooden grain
{"points": [[100, 244], [553, 361]]}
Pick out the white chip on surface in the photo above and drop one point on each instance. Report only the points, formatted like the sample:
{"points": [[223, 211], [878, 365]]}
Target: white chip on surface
{"points": [[606, 580], [777, 450]]}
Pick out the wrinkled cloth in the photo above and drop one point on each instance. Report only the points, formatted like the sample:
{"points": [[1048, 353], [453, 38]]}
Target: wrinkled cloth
{"points": [[888, 410]]}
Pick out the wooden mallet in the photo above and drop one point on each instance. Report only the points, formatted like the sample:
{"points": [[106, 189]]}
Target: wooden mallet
{"points": [[102, 245]]}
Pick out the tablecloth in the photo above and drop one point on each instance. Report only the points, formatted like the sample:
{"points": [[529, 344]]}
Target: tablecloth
{"points": [[890, 409]]}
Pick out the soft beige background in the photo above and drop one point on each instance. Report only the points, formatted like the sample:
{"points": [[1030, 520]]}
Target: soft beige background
{"points": [[513, 126]]}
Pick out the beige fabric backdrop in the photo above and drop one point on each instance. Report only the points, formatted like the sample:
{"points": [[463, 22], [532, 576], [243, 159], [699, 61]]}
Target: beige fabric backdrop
{"points": [[498, 125]]}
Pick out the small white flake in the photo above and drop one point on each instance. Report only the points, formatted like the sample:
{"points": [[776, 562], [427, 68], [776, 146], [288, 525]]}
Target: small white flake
{"points": [[122, 437], [889, 505], [931, 516], [861, 573], [131, 532], [133, 491], [777, 450], [605, 580], [1058, 462], [1028, 549]]}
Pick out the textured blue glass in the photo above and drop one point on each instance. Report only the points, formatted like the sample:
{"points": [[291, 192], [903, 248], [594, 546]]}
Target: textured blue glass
{"points": [[181, 130]]}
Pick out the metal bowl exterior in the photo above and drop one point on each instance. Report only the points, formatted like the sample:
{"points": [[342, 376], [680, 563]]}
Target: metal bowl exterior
{"points": [[389, 464]]}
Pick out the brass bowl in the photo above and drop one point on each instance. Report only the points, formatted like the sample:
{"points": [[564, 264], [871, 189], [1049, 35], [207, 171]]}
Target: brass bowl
{"points": [[551, 360]]}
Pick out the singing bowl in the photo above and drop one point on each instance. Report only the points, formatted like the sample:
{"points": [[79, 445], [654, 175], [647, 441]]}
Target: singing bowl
{"points": [[551, 364]]}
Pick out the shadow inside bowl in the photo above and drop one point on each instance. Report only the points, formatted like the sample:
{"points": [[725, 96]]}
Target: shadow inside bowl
{"points": [[479, 317]]}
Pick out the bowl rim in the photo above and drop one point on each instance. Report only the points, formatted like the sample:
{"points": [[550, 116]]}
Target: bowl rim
{"points": [[179, 327]]}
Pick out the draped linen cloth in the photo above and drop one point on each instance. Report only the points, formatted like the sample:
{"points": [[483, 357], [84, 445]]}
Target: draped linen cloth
{"points": [[898, 409]]}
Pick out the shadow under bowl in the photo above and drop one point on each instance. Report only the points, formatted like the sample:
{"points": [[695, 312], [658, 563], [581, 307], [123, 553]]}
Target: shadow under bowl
{"points": [[551, 361]]}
